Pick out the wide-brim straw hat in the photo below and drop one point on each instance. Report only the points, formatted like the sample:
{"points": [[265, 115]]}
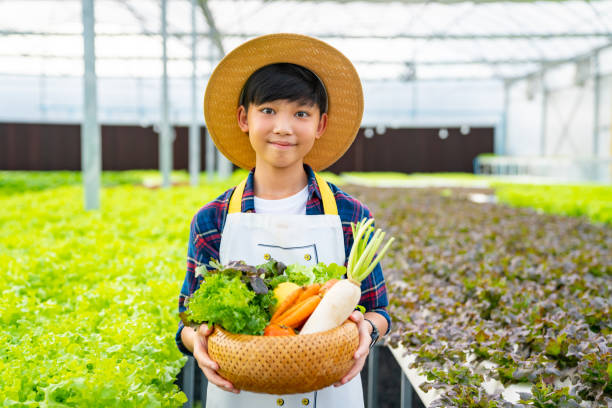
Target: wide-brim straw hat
{"points": [[339, 77]]}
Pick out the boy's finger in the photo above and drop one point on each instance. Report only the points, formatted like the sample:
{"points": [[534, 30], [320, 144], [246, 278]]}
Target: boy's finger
{"points": [[205, 360], [356, 316], [355, 370], [364, 340], [200, 353], [205, 330], [219, 381]]}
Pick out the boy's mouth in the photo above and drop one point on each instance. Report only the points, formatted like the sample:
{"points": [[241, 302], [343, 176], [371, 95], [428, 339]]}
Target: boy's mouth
{"points": [[281, 145]]}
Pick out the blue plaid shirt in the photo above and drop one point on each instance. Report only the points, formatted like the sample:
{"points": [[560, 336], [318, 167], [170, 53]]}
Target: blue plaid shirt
{"points": [[208, 223]]}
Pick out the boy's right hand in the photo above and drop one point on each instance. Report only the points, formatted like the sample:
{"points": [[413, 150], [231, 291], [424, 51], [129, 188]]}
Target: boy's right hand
{"points": [[206, 364]]}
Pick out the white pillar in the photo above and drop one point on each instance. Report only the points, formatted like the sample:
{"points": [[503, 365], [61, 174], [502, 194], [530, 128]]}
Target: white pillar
{"points": [[166, 133], [210, 146], [224, 166], [597, 95], [504, 128], [544, 113], [194, 128], [91, 156]]}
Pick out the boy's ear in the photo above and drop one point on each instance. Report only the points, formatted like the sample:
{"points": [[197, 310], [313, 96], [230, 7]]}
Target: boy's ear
{"points": [[242, 119], [322, 126]]}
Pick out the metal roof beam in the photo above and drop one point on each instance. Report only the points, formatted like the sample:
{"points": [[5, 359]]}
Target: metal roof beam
{"points": [[218, 43], [417, 1], [550, 65], [214, 34], [462, 62], [364, 62]]}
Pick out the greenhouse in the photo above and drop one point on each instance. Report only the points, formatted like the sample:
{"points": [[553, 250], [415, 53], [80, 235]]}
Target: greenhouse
{"points": [[484, 150]]}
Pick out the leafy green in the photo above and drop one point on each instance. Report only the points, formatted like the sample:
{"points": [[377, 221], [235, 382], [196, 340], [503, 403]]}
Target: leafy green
{"points": [[300, 274], [226, 300], [306, 275], [89, 298], [591, 201], [274, 273], [230, 295], [323, 272]]}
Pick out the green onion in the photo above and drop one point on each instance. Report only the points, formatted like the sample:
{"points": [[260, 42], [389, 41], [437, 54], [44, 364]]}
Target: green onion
{"points": [[363, 259]]}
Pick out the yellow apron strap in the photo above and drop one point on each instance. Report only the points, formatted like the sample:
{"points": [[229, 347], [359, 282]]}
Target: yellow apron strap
{"points": [[235, 205], [329, 201]]}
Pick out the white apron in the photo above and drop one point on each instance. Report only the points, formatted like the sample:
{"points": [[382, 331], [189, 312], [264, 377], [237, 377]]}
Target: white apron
{"points": [[304, 239]]}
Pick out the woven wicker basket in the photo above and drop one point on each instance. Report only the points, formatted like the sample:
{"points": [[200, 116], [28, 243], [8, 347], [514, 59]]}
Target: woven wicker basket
{"points": [[284, 364]]}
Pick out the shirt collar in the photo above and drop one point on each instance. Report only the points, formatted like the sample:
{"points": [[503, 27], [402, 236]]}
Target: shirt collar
{"points": [[248, 202]]}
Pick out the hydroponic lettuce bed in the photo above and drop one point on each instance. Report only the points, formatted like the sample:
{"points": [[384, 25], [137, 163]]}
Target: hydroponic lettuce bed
{"points": [[483, 291], [88, 305]]}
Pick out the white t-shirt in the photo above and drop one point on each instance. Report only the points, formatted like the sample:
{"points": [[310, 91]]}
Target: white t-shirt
{"points": [[293, 205]]}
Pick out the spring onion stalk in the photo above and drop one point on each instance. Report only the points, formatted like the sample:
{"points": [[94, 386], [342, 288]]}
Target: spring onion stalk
{"points": [[361, 259], [342, 298]]}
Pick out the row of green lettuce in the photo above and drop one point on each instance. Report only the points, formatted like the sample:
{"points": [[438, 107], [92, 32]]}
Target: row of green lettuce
{"points": [[593, 201], [88, 303], [485, 291], [583, 200]]}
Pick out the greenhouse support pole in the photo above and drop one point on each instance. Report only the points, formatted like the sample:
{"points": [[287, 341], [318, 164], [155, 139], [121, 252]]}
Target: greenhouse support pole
{"points": [[504, 127], [596, 103], [225, 166], [91, 156], [165, 145], [194, 129], [544, 115], [210, 146]]}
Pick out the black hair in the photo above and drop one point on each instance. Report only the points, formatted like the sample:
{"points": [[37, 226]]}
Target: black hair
{"points": [[284, 81]]}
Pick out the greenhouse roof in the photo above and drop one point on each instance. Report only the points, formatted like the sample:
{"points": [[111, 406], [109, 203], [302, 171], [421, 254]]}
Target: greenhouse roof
{"points": [[386, 40]]}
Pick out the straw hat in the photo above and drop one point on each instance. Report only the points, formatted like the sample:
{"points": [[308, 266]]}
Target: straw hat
{"points": [[344, 93]]}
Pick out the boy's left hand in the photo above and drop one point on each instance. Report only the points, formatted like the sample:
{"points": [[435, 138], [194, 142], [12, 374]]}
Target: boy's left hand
{"points": [[362, 350]]}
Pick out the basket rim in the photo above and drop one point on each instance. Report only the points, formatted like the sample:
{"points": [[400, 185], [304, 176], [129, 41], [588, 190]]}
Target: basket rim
{"points": [[219, 328]]}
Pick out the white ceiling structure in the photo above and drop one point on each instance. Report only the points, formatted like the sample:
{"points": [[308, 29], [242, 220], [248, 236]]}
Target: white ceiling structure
{"points": [[422, 62], [386, 40]]}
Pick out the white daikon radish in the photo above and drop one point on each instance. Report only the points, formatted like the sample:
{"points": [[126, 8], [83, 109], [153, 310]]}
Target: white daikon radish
{"points": [[342, 298]]}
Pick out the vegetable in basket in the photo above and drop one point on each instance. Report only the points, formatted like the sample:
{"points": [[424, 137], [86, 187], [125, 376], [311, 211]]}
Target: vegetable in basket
{"points": [[342, 298], [240, 297], [233, 298]]}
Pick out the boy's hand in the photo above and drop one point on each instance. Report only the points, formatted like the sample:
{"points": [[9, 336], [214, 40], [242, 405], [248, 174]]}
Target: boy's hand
{"points": [[362, 350], [208, 366]]}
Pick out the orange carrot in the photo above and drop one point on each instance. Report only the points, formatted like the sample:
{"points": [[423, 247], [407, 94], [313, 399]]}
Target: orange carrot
{"points": [[300, 312], [286, 304], [277, 330], [309, 291], [327, 285]]}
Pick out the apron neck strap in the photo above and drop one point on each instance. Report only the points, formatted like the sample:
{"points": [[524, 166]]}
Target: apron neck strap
{"points": [[235, 205], [329, 202]]}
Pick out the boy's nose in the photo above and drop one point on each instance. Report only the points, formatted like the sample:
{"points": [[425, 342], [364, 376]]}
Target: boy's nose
{"points": [[282, 126]]}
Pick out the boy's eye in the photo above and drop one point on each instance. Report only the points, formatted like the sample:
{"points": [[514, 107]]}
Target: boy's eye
{"points": [[302, 114], [267, 111]]}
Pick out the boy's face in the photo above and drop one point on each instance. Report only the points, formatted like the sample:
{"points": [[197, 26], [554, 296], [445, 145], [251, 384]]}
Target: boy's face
{"points": [[282, 132]]}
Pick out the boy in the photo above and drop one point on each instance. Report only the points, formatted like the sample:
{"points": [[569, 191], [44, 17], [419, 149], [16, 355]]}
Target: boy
{"points": [[282, 105]]}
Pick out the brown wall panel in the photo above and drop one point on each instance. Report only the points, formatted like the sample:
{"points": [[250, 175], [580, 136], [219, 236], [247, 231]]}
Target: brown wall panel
{"points": [[58, 147], [416, 150], [129, 147]]}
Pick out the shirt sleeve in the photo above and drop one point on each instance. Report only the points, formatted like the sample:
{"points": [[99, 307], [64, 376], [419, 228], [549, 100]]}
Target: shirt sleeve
{"points": [[204, 241]]}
